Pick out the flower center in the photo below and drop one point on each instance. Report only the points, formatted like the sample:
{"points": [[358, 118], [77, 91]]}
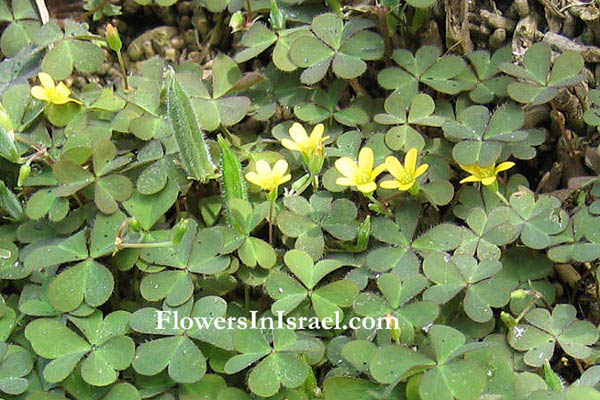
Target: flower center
{"points": [[486, 172], [362, 178]]}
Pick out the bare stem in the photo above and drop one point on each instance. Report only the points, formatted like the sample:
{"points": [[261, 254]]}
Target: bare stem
{"points": [[123, 71]]}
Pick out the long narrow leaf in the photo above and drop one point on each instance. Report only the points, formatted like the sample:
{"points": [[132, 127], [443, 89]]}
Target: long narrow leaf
{"points": [[190, 139]]}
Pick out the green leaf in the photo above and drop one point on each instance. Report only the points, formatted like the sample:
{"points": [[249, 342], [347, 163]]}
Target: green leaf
{"points": [[537, 61], [86, 57], [307, 51], [287, 292], [301, 264], [538, 338], [88, 280], [442, 237], [122, 391], [190, 139], [565, 68], [225, 75], [148, 209], [58, 251], [328, 27], [328, 300], [277, 369], [461, 380], [53, 340], [184, 361], [392, 362], [257, 39], [176, 286], [256, 251], [233, 183], [72, 177], [342, 388]]}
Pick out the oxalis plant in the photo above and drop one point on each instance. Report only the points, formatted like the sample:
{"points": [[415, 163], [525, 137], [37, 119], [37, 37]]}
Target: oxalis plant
{"points": [[317, 172]]}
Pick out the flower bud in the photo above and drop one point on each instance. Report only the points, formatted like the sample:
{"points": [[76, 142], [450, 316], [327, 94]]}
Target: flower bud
{"points": [[134, 224], [392, 322], [236, 22], [508, 320], [276, 17], [519, 294], [179, 230], [113, 39], [24, 173]]}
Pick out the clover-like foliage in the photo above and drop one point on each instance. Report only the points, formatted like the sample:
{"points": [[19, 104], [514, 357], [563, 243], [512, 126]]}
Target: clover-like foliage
{"points": [[344, 46], [270, 199]]}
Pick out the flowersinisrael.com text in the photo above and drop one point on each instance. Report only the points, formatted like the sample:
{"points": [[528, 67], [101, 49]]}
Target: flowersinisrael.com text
{"points": [[172, 320]]}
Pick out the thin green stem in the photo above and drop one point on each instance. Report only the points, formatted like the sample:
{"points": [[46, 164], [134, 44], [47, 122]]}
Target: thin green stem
{"points": [[247, 299], [152, 245], [123, 71], [271, 213], [501, 197], [380, 207], [315, 183]]}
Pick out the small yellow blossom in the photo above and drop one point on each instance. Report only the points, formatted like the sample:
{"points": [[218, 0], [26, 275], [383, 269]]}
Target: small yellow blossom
{"points": [[269, 179], [302, 142], [405, 176], [55, 94], [361, 174], [486, 175]]}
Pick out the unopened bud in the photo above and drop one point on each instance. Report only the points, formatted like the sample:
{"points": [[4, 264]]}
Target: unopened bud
{"points": [[113, 38], [236, 22], [519, 294], [392, 322], [134, 224], [508, 320], [24, 173], [179, 230]]}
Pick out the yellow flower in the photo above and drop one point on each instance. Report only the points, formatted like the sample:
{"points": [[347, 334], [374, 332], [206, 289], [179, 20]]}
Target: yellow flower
{"points": [[302, 142], [405, 175], [269, 179], [486, 175], [361, 174], [55, 94]]}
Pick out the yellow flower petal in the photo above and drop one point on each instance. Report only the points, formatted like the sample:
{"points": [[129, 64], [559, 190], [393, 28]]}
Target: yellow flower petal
{"points": [[284, 179], [488, 180], [39, 93], [504, 166], [346, 166], [343, 181], [405, 186], [421, 170], [394, 167], [280, 168], [472, 169], [367, 187], [378, 170], [298, 133], [317, 134], [46, 80], [263, 168], [470, 178], [290, 145], [391, 184], [254, 178], [410, 161], [366, 160], [62, 94]]}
